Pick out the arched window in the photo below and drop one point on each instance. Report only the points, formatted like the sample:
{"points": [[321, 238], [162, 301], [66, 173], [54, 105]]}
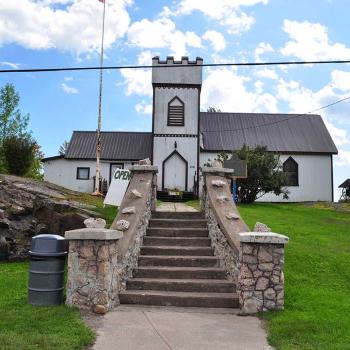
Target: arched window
{"points": [[176, 112], [290, 169]]}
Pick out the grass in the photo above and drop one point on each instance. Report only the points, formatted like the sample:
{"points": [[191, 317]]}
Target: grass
{"points": [[194, 204], [317, 275], [26, 327], [107, 212]]}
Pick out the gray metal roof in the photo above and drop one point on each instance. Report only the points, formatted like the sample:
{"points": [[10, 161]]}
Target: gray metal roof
{"points": [[289, 133], [114, 145], [345, 184]]}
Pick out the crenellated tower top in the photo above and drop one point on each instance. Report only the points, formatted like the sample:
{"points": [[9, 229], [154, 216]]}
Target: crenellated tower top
{"points": [[171, 71]]}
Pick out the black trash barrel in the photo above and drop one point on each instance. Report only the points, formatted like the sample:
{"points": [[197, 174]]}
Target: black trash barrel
{"points": [[46, 270]]}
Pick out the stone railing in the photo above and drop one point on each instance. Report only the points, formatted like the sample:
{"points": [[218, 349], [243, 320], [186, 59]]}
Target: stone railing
{"points": [[133, 216], [253, 260], [100, 260]]}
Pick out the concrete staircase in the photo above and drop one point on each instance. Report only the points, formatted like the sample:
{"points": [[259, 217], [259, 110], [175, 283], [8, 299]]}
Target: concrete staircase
{"points": [[177, 266]]}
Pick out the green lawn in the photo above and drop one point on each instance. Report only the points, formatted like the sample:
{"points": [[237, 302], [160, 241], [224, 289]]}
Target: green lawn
{"points": [[25, 327], [317, 275], [107, 212]]}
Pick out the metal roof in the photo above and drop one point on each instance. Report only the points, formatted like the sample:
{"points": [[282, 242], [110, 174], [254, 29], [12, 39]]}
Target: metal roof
{"points": [[345, 184], [289, 133], [114, 145]]}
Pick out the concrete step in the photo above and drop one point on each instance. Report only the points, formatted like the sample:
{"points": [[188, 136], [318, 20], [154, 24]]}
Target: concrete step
{"points": [[149, 297], [177, 215], [179, 272], [181, 285], [172, 250], [187, 223], [177, 241], [174, 260], [177, 232]]}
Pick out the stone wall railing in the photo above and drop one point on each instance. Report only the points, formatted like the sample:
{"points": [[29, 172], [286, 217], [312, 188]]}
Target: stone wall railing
{"points": [[133, 216], [253, 260], [100, 260]]}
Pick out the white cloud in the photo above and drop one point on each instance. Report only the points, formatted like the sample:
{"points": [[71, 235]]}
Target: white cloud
{"points": [[266, 73], [343, 158], [69, 89], [143, 108], [302, 100], [261, 49], [12, 65], [310, 41], [76, 27], [68, 78], [227, 12], [139, 81], [162, 33], [227, 90], [216, 39]]}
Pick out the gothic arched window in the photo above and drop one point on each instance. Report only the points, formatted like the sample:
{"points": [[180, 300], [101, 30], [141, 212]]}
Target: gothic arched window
{"points": [[176, 112], [290, 169]]}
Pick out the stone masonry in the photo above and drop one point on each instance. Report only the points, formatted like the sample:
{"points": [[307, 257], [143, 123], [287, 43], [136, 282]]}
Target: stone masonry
{"points": [[222, 249], [253, 260], [92, 273], [261, 279], [100, 260]]}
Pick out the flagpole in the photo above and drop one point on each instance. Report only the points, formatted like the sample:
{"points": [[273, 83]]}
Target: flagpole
{"points": [[98, 133]]}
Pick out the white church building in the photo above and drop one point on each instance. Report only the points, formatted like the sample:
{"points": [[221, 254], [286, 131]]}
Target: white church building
{"points": [[183, 139]]}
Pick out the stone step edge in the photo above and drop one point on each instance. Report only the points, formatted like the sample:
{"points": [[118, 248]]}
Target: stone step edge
{"points": [[183, 280], [179, 268], [179, 257], [233, 296]]}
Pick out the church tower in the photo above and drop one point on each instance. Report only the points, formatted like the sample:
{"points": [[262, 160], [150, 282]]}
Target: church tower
{"points": [[175, 127]]}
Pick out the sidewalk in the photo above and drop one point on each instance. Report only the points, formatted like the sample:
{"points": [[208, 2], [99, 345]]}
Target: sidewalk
{"points": [[175, 207], [167, 328]]}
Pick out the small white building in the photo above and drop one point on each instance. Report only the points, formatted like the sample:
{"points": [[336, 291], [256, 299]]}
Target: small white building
{"points": [[183, 139]]}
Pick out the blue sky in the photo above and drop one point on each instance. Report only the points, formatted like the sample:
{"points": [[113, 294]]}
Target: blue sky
{"points": [[51, 33]]}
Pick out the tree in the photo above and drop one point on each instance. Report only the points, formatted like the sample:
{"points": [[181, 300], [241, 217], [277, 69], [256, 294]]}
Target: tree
{"points": [[63, 148], [213, 109], [264, 175], [19, 154], [15, 138], [12, 122]]}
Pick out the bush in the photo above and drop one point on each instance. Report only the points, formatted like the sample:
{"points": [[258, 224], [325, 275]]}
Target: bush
{"points": [[19, 154]]}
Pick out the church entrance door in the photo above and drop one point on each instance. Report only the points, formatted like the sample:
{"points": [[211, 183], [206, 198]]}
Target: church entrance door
{"points": [[175, 172]]}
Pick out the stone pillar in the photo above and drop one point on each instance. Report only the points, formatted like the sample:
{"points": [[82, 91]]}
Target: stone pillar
{"points": [[261, 279], [92, 268]]}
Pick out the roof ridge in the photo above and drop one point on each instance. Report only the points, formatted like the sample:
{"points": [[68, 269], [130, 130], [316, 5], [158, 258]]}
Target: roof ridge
{"points": [[113, 132], [261, 113]]}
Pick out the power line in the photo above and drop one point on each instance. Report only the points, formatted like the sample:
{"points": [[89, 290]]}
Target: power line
{"points": [[242, 64], [281, 121]]}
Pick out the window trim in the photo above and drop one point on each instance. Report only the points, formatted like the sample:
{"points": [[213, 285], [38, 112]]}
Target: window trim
{"points": [[110, 169], [290, 158], [83, 168], [183, 115]]}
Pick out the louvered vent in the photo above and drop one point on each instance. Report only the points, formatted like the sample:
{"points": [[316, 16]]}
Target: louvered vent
{"points": [[176, 112]]}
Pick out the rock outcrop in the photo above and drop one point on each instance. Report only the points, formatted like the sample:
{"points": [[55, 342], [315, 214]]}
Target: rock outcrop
{"points": [[29, 207]]}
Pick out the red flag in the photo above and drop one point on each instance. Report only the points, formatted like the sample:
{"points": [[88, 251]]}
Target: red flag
{"points": [[101, 1]]}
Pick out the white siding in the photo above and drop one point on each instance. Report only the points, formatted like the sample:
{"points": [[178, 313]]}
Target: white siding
{"points": [[164, 146], [161, 99], [63, 172], [315, 178]]}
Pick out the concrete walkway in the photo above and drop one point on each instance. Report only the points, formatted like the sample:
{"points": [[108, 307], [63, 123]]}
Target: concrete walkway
{"points": [[175, 207], [167, 328]]}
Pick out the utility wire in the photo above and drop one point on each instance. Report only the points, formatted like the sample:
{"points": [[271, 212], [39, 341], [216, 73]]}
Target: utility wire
{"points": [[243, 64], [279, 121]]}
